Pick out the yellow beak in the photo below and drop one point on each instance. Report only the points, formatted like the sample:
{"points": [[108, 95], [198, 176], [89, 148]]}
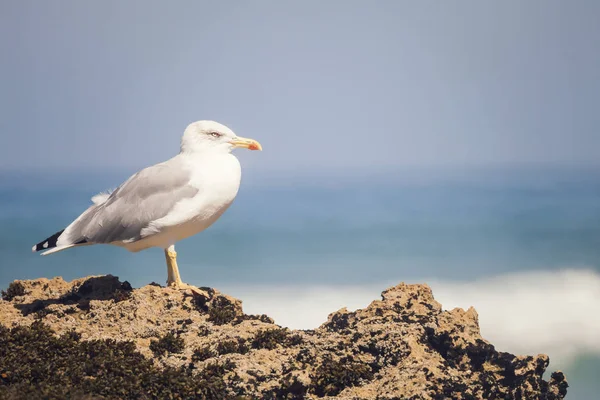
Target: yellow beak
{"points": [[249, 144]]}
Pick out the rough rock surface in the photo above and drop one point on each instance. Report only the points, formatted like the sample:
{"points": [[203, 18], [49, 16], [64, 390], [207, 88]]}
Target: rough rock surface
{"points": [[400, 347]]}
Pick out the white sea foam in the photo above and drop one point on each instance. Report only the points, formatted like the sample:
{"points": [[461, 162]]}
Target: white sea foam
{"points": [[556, 313]]}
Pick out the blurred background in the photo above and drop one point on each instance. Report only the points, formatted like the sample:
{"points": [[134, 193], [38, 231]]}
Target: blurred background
{"points": [[449, 143]]}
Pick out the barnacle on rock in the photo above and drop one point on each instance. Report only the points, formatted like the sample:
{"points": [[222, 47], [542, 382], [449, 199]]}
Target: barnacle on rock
{"points": [[221, 316], [338, 321], [14, 289], [123, 293], [169, 343], [203, 353], [288, 387], [249, 317], [270, 338], [333, 376], [33, 361], [232, 346], [221, 309]]}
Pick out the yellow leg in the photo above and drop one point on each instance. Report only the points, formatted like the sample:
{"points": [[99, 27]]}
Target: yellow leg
{"points": [[173, 277]]}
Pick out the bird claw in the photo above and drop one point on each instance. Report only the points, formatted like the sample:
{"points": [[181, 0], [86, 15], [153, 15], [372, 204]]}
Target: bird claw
{"points": [[184, 286]]}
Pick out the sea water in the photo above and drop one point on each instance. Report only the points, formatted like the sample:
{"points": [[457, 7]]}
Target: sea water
{"points": [[525, 251]]}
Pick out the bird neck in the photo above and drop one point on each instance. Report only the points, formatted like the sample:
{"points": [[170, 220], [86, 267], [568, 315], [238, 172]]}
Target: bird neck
{"points": [[205, 156]]}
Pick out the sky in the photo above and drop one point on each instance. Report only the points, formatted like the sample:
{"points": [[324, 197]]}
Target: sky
{"points": [[324, 86]]}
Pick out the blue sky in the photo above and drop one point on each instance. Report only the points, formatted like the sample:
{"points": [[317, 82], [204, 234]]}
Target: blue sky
{"points": [[339, 85]]}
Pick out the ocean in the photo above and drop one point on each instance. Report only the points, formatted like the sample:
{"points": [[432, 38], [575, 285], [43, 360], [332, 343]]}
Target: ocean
{"points": [[522, 247]]}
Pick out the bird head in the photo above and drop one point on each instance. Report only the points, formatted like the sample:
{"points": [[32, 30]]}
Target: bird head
{"points": [[203, 136]]}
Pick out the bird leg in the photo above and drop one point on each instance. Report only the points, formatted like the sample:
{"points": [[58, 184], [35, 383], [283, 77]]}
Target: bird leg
{"points": [[171, 257], [173, 277]]}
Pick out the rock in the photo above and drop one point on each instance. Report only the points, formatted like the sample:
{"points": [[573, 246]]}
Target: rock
{"points": [[110, 340]]}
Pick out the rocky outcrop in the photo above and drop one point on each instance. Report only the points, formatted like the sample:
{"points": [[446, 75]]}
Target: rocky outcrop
{"points": [[98, 338]]}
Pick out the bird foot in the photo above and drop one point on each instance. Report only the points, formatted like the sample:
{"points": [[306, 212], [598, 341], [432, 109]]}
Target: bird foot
{"points": [[184, 286]]}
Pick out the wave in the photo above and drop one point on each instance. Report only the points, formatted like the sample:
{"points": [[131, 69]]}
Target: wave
{"points": [[551, 312], [556, 313]]}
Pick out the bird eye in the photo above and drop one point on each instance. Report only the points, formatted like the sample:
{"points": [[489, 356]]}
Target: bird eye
{"points": [[215, 134]]}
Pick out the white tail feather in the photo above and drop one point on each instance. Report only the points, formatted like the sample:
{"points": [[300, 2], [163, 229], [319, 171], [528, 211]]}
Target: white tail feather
{"points": [[102, 197]]}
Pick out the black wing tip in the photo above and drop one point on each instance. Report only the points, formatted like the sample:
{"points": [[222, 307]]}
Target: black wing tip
{"points": [[48, 243]]}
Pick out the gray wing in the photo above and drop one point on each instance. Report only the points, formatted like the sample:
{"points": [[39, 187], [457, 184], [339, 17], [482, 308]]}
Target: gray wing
{"points": [[145, 197]]}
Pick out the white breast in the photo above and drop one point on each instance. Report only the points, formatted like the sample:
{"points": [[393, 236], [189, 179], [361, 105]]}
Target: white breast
{"points": [[217, 180]]}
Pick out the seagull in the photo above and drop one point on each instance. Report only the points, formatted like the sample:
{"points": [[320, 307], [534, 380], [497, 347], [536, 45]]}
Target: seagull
{"points": [[165, 203]]}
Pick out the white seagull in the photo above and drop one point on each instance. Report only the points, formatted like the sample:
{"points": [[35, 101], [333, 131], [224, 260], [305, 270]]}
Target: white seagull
{"points": [[166, 202]]}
